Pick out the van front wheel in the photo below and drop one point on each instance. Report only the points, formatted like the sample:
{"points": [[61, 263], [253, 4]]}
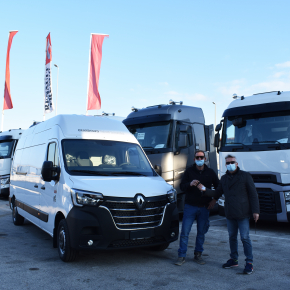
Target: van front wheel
{"points": [[66, 253], [17, 219]]}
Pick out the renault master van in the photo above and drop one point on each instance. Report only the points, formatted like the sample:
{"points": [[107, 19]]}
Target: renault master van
{"points": [[87, 182]]}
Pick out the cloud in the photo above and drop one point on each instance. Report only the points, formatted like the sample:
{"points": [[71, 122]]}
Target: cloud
{"points": [[163, 83], [172, 93], [283, 65], [278, 74], [233, 87]]}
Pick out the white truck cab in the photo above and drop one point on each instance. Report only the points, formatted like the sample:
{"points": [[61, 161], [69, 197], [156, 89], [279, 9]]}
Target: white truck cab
{"points": [[256, 129], [87, 182], [8, 141]]}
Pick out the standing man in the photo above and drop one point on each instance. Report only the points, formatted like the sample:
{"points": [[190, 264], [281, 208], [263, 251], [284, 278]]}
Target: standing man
{"points": [[196, 206], [241, 200]]}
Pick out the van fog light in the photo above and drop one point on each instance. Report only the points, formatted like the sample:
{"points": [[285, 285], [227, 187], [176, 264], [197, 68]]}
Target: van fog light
{"points": [[90, 242], [172, 234]]}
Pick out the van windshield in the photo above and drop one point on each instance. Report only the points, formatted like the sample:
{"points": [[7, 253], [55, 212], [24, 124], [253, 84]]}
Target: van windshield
{"points": [[101, 157], [6, 149], [156, 135]]}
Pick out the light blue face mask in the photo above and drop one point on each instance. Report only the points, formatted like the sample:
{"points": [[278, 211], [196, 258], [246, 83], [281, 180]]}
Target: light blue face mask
{"points": [[199, 162], [231, 167]]}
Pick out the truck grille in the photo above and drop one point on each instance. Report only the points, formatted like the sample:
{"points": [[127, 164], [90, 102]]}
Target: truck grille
{"points": [[269, 201], [127, 216], [264, 178]]}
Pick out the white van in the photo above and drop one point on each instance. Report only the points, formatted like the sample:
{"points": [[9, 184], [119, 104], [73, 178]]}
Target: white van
{"points": [[8, 141], [87, 182]]}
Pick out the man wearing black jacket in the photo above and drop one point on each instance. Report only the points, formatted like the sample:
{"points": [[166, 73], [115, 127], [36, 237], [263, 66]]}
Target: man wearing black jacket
{"points": [[241, 201], [196, 206]]}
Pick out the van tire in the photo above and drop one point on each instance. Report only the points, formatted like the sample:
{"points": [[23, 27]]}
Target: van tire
{"points": [[66, 253], [17, 219], [159, 248]]}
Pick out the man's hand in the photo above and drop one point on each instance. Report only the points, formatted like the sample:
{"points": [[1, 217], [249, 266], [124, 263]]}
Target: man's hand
{"points": [[256, 217], [201, 187], [194, 182], [212, 204]]}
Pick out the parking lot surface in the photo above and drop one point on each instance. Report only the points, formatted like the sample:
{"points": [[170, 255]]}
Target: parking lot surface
{"points": [[28, 261]]}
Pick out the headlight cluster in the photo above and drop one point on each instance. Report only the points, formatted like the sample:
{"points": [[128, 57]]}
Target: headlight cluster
{"points": [[5, 180], [81, 197], [287, 197], [172, 195]]}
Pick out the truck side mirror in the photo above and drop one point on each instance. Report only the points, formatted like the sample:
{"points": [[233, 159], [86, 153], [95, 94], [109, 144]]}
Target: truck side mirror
{"points": [[217, 140], [182, 142], [158, 169], [49, 172], [218, 127]]}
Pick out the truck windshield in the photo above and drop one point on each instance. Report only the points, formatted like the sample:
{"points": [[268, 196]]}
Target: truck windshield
{"points": [[263, 131], [6, 149], [101, 157], [156, 135]]}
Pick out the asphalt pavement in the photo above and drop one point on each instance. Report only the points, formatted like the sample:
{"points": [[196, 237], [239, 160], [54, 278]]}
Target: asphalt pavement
{"points": [[28, 261]]}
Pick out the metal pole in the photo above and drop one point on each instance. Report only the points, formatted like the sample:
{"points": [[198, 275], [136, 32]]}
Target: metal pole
{"points": [[214, 114], [89, 74], [56, 89]]}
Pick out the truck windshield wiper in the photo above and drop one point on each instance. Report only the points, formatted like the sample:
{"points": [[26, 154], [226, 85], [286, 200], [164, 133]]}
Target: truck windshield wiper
{"points": [[147, 147], [272, 142], [238, 143], [127, 173], [91, 172]]}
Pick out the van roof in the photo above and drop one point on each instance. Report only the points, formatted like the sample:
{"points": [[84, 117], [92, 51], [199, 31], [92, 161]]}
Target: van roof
{"points": [[14, 134], [86, 127]]}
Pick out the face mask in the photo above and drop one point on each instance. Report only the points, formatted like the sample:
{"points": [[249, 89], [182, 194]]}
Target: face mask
{"points": [[231, 167], [199, 162]]}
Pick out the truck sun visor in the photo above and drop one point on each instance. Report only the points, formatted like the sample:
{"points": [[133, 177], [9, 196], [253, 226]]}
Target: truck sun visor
{"points": [[147, 119]]}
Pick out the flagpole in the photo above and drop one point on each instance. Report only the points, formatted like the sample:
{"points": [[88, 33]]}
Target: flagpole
{"points": [[44, 80], [89, 73]]}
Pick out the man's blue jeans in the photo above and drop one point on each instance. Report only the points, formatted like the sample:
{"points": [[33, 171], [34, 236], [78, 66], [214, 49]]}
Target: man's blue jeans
{"points": [[233, 227], [190, 213]]}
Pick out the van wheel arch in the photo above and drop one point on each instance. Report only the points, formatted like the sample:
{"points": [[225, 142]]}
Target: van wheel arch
{"points": [[59, 216]]}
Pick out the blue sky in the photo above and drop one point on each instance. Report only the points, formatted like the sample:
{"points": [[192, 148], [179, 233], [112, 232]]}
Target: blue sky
{"points": [[194, 51]]}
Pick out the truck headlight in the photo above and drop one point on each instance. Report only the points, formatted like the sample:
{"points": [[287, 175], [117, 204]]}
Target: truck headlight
{"points": [[81, 197], [172, 195], [5, 180], [287, 197]]}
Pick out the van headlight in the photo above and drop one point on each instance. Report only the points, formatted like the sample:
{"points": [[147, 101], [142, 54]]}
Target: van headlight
{"points": [[5, 180], [80, 197], [172, 195], [287, 197]]}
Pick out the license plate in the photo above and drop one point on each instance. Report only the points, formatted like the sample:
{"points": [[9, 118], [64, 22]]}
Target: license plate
{"points": [[141, 234]]}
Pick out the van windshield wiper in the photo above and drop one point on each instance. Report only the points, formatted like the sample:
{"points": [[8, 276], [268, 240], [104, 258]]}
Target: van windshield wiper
{"points": [[91, 172], [147, 147], [127, 173]]}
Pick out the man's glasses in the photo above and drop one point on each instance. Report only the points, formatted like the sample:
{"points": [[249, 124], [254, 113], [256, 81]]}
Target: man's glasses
{"points": [[199, 157], [232, 162]]}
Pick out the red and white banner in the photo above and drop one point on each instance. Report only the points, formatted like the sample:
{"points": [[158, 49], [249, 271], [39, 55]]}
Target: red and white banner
{"points": [[48, 104], [7, 95], [94, 99]]}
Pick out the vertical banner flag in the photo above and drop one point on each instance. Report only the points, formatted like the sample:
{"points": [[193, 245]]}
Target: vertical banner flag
{"points": [[48, 105], [7, 95], [94, 99]]}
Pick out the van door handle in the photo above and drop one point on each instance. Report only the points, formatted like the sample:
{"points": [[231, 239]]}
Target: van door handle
{"points": [[35, 185], [42, 187]]}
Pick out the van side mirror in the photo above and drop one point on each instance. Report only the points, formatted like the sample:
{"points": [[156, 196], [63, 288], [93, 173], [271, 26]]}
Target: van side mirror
{"points": [[218, 127], [182, 142], [158, 169], [49, 172], [217, 140]]}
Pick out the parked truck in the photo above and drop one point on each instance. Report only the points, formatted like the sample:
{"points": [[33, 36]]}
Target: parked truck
{"points": [[256, 129], [8, 141], [170, 135]]}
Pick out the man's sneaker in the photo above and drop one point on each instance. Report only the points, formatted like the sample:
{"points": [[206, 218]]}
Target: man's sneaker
{"points": [[180, 261], [230, 264], [198, 259], [248, 268]]}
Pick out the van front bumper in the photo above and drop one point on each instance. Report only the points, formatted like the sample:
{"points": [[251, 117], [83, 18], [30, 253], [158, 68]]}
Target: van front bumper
{"points": [[89, 223]]}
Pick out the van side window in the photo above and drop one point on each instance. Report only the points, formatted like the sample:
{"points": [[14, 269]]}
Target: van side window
{"points": [[52, 154]]}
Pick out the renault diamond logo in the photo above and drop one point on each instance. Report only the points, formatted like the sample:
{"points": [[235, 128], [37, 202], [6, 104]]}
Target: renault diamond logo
{"points": [[139, 201]]}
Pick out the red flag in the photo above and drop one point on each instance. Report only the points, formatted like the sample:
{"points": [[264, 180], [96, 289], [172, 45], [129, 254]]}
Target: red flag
{"points": [[7, 96], [94, 99]]}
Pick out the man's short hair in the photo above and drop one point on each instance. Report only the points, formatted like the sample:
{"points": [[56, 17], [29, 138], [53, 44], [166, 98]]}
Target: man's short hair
{"points": [[197, 151], [230, 156]]}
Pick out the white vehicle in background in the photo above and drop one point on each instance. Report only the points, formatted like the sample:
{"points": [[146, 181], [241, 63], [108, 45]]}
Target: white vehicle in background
{"points": [[256, 129], [8, 141]]}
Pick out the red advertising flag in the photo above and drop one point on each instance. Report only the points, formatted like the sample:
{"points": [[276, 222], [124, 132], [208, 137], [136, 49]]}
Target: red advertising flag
{"points": [[7, 96], [94, 99]]}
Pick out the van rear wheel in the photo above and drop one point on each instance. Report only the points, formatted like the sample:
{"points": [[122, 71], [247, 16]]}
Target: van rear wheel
{"points": [[17, 219], [66, 253]]}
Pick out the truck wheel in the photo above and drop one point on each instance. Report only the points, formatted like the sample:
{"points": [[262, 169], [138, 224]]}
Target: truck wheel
{"points": [[66, 253], [17, 219], [160, 248]]}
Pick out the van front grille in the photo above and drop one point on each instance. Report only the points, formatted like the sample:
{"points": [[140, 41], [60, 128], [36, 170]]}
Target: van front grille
{"points": [[126, 215]]}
